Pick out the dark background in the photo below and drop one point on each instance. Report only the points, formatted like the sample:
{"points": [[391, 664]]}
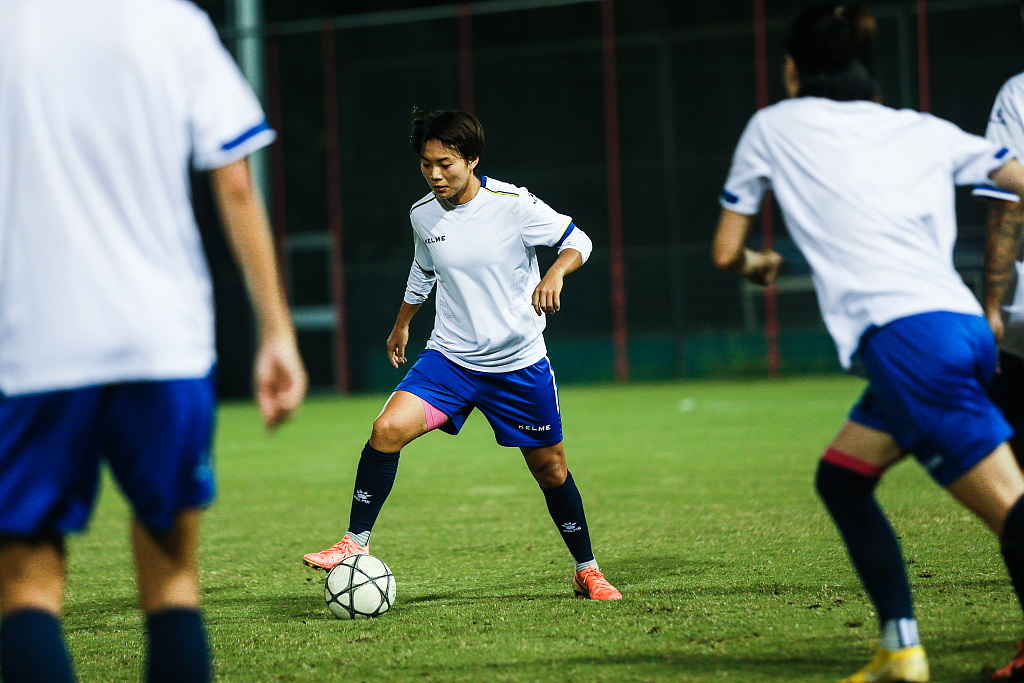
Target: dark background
{"points": [[686, 86]]}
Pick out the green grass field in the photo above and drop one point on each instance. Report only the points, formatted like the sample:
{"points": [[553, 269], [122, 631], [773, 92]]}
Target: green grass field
{"points": [[701, 507]]}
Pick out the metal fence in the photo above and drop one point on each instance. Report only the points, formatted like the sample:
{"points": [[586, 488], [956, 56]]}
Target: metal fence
{"points": [[623, 115]]}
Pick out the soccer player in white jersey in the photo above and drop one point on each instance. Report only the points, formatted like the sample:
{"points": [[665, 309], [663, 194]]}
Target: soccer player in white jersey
{"points": [[1005, 218], [476, 239], [1004, 302], [106, 320], [868, 196]]}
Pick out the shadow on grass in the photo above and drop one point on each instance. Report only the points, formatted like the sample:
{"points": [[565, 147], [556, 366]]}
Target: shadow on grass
{"points": [[678, 666]]}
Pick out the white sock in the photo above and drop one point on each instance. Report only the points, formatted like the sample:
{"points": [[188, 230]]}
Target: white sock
{"points": [[897, 634], [362, 538], [580, 566]]}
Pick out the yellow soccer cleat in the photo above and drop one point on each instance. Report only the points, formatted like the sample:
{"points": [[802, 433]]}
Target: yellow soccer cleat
{"points": [[907, 665]]}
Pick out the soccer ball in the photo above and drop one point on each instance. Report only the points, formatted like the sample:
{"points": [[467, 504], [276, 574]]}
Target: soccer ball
{"points": [[360, 586]]}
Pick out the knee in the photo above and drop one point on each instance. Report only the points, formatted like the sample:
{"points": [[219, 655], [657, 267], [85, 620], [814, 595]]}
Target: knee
{"points": [[835, 482], [389, 434], [549, 471]]}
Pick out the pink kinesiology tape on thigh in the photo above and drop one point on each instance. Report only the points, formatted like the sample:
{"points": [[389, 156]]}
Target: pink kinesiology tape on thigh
{"points": [[435, 418]]}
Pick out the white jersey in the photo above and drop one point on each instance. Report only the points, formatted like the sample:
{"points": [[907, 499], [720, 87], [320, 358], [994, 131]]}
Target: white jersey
{"points": [[102, 105], [482, 256], [867, 193], [1006, 128]]}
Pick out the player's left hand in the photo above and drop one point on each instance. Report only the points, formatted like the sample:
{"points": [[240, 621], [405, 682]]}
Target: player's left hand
{"points": [[546, 294], [279, 379]]}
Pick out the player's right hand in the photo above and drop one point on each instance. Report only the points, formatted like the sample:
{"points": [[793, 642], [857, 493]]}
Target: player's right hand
{"points": [[761, 267], [397, 340]]}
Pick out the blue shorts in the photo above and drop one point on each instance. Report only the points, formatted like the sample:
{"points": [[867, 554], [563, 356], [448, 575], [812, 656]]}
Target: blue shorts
{"points": [[927, 377], [522, 406], [156, 436]]}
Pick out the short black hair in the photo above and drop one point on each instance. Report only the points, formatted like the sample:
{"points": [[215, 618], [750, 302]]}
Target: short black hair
{"points": [[830, 43], [456, 130]]}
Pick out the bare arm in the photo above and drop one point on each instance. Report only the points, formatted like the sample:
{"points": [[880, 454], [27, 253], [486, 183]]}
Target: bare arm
{"points": [[399, 336], [279, 377], [1002, 231], [547, 294], [1002, 243], [729, 251]]}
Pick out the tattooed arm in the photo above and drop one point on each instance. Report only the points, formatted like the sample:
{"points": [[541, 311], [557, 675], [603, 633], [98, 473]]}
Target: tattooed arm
{"points": [[1002, 244]]}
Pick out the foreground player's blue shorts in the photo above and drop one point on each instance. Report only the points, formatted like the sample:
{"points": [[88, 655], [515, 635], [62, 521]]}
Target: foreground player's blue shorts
{"points": [[522, 405], [156, 437], [927, 376]]}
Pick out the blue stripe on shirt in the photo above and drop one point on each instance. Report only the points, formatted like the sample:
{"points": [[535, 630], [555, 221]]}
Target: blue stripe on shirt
{"points": [[252, 132], [729, 197], [568, 230]]}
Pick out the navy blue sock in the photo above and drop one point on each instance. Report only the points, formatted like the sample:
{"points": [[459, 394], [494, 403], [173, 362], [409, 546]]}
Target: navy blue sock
{"points": [[32, 648], [566, 508], [178, 651], [374, 478], [870, 540], [1011, 543]]}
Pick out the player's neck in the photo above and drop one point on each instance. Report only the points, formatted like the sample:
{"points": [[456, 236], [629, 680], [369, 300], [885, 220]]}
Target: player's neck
{"points": [[468, 192]]}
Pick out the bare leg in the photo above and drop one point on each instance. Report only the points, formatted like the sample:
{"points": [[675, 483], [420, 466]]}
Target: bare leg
{"points": [[168, 565], [401, 421], [991, 488]]}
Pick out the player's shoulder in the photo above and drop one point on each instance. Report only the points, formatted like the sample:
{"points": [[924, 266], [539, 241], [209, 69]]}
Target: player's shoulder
{"points": [[1013, 88], [424, 203], [499, 188]]}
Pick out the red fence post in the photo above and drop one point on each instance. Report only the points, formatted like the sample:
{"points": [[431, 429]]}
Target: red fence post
{"points": [[332, 152], [771, 316], [614, 179]]}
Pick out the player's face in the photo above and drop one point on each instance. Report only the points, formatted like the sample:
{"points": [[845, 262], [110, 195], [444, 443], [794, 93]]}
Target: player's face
{"points": [[448, 174]]}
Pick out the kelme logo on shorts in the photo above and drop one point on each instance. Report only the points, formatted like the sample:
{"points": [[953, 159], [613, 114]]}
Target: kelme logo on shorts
{"points": [[532, 428]]}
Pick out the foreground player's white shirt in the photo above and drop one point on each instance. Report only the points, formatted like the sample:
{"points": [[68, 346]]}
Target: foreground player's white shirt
{"points": [[868, 196], [482, 256], [1006, 128], [102, 105]]}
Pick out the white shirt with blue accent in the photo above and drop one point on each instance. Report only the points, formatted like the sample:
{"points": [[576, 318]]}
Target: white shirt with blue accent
{"points": [[103, 105], [867, 193], [482, 257], [1006, 128]]}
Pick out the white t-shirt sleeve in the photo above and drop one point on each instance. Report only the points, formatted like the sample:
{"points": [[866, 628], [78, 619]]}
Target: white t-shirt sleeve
{"points": [[226, 120], [750, 172], [973, 157], [1006, 129], [421, 275], [578, 240], [540, 224]]}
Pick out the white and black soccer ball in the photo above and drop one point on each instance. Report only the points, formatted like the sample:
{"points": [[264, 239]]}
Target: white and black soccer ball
{"points": [[360, 586]]}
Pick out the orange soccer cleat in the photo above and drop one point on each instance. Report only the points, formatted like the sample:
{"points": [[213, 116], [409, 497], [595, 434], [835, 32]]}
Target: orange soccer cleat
{"points": [[328, 559], [1014, 671], [590, 583]]}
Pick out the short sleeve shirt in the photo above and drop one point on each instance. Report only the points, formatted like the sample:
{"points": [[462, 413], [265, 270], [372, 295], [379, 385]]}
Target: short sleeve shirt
{"points": [[867, 193], [103, 106], [482, 256]]}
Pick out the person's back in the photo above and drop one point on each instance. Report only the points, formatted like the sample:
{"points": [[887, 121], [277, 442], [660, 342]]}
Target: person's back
{"points": [[106, 320], [868, 195], [101, 106]]}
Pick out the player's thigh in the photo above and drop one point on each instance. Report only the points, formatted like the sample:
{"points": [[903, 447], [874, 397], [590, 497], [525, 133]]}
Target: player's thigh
{"points": [[991, 487], [522, 406], [869, 444], [49, 461], [436, 380], [158, 441]]}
